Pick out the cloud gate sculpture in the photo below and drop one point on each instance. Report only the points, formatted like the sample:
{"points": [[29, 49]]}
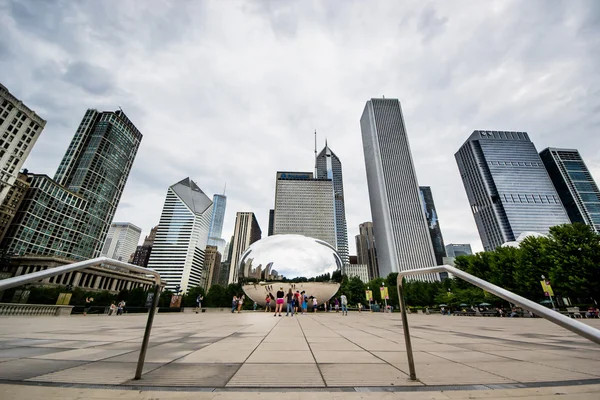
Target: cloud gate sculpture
{"points": [[270, 259]]}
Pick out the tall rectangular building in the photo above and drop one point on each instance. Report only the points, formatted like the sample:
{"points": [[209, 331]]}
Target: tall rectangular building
{"points": [[403, 240], [271, 221], [575, 185], [20, 128], [246, 232], [69, 216], [97, 165], [12, 201], [179, 247], [305, 206], [433, 224], [218, 215], [329, 166], [121, 241], [212, 267], [142, 253], [366, 251], [508, 188]]}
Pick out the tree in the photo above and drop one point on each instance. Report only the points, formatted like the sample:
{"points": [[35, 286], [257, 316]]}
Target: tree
{"points": [[189, 299], [336, 276], [354, 289], [217, 296], [534, 261], [574, 250]]}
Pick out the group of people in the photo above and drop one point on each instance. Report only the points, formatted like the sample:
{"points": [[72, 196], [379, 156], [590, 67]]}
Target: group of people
{"points": [[236, 303], [117, 307], [298, 301]]}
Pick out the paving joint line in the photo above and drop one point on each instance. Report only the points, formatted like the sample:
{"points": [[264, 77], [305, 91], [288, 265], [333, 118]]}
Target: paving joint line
{"points": [[312, 353]]}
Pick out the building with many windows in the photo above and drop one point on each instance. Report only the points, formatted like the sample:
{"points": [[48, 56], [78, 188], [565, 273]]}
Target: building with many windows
{"points": [[12, 201], [212, 267], [433, 223], [121, 241], [360, 270], [403, 240], [575, 185], [271, 221], [508, 187], [329, 166], [305, 206], [142, 253], [20, 128], [456, 249], [216, 222], [179, 247], [246, 232], [366, 251], [69, 216]]}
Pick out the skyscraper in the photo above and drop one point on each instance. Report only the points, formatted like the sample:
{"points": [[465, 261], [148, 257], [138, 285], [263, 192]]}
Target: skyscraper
{"points": [[70, 215], [182, 236], [455, 250], [142, 253], [218, 215], [12, 201], [212, 267], [330, 167], [271, 221], [507, 186], [366, 251], [20, 128], [403, 240], [245, 233], [121, 241], [433, 223], [305, 206], [575, 185]]}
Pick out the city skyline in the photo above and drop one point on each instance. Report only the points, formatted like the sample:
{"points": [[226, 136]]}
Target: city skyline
{"points": [[456, 91]]}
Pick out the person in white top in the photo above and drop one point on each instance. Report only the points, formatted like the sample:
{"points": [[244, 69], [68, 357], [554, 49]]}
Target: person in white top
{"points": [[344, 301], [315, 304]]}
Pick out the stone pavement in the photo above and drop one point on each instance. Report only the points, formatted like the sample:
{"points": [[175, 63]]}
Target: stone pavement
{"points": [[255, 351]]}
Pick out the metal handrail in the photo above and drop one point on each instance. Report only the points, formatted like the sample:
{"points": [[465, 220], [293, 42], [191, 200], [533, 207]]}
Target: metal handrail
{"points": [[63, 269], [577, 327]]}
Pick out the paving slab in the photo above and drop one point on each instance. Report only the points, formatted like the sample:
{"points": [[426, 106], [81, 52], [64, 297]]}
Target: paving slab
{"points": [[199, 375], [277, 375], [24, 368], [364, 375], [95, 373]]}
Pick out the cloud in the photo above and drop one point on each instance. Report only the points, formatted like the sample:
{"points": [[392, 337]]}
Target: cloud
{"points": [[231, 92]]}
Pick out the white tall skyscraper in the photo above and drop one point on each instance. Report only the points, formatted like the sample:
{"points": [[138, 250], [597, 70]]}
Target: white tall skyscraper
{"points": [[182, 236], [20, 128], [399, 222], [121, 241], [329, 166], [305, 206]]}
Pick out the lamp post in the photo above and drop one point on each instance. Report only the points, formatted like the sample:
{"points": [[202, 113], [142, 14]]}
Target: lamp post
{"points": [[382, 291]]}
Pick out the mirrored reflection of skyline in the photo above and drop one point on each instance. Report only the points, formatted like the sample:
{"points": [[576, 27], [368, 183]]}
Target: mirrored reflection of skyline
{"points": [[290, 256]]}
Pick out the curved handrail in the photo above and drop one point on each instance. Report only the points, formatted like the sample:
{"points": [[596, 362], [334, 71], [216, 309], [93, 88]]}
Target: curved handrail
{"points": [[577, 327], [63, 269]]}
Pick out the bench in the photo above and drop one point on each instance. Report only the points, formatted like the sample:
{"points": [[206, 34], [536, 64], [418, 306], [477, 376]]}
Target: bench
{"points": [[573, 312]]}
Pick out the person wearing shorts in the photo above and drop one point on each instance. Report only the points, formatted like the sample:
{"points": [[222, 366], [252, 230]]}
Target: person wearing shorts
{"points": [[280, 301], [304, 305], [268, 301], [315, 304]]}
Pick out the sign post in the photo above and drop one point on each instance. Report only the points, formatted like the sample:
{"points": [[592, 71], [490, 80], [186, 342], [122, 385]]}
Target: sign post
{"points": [[384, 295], [548, 292], [369, 295]]}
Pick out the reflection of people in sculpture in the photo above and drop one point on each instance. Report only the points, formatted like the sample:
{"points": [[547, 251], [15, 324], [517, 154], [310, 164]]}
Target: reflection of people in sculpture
{"points": [[279, 306]]}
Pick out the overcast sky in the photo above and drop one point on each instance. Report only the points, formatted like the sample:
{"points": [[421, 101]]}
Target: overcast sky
{"points": [[230, 92]]}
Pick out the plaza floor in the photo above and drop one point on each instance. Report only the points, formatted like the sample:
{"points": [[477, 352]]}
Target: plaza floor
{"points": [[257, 352]]}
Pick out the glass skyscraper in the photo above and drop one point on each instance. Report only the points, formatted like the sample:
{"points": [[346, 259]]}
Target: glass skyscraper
{"points": [[182, 236], [216, 223], [329, 166], [70, 215], [433, 223], [403, 240], [508, 188], [575, 185]]}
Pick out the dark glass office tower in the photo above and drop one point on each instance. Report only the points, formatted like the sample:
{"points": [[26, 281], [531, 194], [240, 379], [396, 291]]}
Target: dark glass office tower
{"points": [[329, 166], [575, 185], [507, 186], [433, 223], [96, 166], [271, 221], [366, 252]]}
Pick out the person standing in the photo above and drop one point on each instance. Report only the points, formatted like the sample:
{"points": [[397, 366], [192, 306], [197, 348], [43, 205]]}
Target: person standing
{"points": [[304, 300], [121, 307], [268, 301], [289, 299], [254, 306], [315, 303], [112, 309], [344, 300], [279, 306], [297, 301], [234, 304], [199, 303], [240, 303], [337, 305]]}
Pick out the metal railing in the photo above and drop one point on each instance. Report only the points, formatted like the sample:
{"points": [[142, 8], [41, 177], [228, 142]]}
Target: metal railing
{"points": [[50, 272], [577, 327]]}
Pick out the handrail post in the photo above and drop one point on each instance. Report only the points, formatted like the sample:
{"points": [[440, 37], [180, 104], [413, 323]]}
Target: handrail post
{"points": [[409, 352], [144, 348]]}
